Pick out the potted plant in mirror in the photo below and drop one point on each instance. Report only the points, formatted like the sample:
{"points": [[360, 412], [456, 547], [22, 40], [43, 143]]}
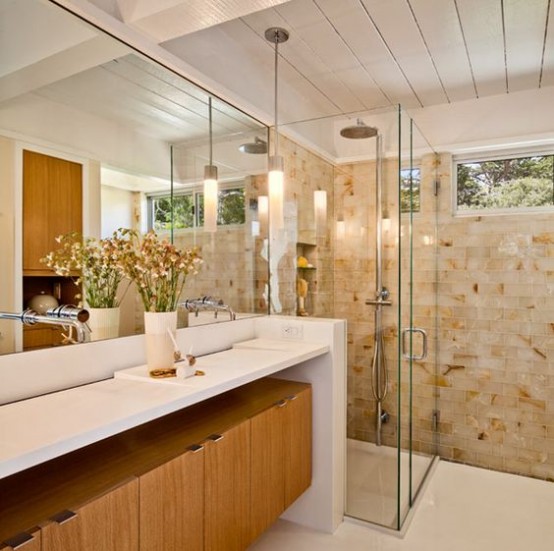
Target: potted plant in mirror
{"points": [[95, 261], [159, 270]]}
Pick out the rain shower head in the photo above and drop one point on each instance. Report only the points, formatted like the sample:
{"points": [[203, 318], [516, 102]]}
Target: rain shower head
{"points": [[359, 131], [257, 147]]}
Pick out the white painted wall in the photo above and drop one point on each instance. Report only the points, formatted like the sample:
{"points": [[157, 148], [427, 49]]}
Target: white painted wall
{"points": [[117, 207]]}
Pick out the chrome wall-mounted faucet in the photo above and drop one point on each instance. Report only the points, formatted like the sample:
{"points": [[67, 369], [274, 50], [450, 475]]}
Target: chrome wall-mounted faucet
{"points": [[64, 316], [207, 303]]}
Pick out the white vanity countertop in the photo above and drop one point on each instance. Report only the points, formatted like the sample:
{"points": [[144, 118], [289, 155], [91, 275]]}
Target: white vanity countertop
{"points": [[36, 430]]}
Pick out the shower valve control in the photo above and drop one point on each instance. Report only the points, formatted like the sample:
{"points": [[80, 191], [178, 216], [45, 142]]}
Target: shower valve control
{"points": [[381, 298]]}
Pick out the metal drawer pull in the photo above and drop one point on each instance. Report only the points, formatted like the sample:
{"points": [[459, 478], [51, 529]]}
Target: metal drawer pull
{"points": [[281, 403], [291, 397], [63, 516], [215, 437], [19, 541], [195, 448]]}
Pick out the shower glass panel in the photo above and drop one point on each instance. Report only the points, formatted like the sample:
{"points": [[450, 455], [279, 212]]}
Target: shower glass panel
{"points": [[416, 205], [378, 254]]}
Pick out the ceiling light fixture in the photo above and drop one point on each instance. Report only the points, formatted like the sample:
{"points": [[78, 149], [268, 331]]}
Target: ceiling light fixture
{"points": [[276, 35], [210, 185]]}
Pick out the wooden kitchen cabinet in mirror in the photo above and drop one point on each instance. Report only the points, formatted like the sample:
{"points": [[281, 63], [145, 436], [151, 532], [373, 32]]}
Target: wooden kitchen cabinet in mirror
{"points": [[52, 206]]}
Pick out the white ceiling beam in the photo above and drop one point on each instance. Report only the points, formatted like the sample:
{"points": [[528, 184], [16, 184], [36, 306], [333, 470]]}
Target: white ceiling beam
{"points": [[173, 18], [59, 66]]}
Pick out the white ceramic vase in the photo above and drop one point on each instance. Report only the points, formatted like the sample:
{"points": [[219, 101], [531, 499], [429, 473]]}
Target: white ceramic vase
{"points": [[103, 323], [159, 346]]}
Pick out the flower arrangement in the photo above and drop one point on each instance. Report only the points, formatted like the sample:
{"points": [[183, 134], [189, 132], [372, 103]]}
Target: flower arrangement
{"points": [[158, 268], [95, 260]]}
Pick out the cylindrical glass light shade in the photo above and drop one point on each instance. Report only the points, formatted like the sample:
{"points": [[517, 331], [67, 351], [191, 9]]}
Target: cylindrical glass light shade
{"points": [[210, 198], [320, 209], [276, 192]]}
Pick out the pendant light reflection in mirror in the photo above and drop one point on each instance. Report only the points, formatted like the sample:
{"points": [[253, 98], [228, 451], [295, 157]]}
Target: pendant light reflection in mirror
{"points": [[210, 183]]}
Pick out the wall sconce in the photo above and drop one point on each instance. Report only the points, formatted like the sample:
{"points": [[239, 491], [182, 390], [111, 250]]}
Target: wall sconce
{"points": [[320, 210], [276, 36], [210, 185]]}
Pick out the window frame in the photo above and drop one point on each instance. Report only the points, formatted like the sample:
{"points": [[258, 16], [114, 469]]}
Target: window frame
{"points": [[497, 155]]}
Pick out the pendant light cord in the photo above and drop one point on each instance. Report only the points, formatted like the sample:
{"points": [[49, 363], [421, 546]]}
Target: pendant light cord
{"points": [[210, 119], [276, 147]]}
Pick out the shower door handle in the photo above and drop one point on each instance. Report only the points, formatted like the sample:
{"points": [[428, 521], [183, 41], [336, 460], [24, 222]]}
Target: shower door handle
{"points": [[406, 352]]}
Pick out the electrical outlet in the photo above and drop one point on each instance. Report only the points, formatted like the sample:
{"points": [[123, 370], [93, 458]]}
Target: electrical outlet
{"points": [[292, 331]]}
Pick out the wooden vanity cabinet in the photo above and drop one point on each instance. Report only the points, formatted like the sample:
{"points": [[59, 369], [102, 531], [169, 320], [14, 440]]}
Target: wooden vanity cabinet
{"points": [[210, 477], [172, 504], [109, 523], [297, 448], [281, 458], [227, 490]]}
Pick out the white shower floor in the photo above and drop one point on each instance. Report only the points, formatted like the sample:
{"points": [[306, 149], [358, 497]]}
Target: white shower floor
{"points": [[462, 509], [371, 490]]}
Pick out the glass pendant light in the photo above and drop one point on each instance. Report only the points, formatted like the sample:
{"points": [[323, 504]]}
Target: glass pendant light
{"points": [[276, 36]]}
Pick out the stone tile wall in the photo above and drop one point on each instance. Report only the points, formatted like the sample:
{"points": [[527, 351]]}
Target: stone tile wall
{"points": [[496, 313]]}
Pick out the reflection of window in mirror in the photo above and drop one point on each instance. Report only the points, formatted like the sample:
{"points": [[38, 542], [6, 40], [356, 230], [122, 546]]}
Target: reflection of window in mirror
{"points": [[188, 208]]}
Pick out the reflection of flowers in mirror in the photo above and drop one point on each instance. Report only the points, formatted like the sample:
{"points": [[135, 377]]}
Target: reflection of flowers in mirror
{"points": [[92, 262], [157, 267]]}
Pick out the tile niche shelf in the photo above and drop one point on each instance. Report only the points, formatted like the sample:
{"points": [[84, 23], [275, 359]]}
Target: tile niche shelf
{"points": [[305, 279]]}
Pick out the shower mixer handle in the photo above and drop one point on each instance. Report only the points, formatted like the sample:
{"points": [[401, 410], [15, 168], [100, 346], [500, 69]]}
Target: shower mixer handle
{"points": [[378, 302], [381, 298]]}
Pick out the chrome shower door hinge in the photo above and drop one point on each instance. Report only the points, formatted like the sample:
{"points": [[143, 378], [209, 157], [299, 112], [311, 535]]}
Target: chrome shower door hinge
{"points": [[436, 419]]}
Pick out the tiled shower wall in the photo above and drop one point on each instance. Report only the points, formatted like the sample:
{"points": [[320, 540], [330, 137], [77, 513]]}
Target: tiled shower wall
{"points": [[493, 298], [496, 316], [355, 281]]}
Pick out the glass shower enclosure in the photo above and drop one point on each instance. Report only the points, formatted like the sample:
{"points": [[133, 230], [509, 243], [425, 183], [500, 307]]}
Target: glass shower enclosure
{"points": [[382, 235]]}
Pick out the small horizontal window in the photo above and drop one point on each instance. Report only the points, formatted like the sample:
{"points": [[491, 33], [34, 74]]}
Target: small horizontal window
{"points": [[509, 183]]}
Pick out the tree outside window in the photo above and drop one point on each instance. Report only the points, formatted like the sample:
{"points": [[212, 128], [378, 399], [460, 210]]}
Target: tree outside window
{"points": [[506, 183], [189, 209], [410, 184]]}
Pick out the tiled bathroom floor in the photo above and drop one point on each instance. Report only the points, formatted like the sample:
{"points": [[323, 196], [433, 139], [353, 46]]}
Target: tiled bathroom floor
{"points": [[463, 509]]}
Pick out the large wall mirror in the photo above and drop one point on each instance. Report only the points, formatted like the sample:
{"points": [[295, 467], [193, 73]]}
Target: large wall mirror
{"points": [[135, 136]]}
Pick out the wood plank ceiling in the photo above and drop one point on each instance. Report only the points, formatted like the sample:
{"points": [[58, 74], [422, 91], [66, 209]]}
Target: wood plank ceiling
{"points": [[346, 56]]}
